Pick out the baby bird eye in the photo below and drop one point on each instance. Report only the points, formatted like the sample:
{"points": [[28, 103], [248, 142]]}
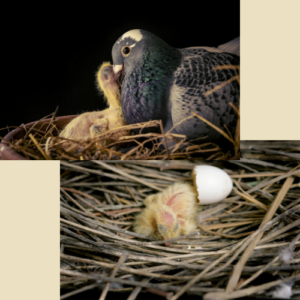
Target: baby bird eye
{"points": [[125, 51], [162, 229], [176, 226]]}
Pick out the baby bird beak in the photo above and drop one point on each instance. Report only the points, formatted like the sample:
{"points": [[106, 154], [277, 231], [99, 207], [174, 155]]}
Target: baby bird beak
{"points": [[167, 244]]}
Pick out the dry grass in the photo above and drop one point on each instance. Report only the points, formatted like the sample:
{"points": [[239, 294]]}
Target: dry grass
{"points": [[237, 239], [143, 146]]}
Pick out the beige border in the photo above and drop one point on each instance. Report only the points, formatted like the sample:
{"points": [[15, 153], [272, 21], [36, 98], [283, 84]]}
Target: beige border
{"points": [[29, 229], [270, 70]]}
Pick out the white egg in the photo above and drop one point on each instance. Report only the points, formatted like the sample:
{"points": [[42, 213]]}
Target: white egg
{"points": [[212, 184]]}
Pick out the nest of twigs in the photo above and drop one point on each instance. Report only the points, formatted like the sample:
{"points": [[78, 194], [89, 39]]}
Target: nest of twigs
{"points": [[40, 145], [253, 233]]}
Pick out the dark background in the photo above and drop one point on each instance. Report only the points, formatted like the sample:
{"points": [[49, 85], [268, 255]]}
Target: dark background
{"points": [[51, 56]]}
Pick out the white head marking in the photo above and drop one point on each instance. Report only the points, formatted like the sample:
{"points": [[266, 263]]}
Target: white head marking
{"points": [[135, 34]]}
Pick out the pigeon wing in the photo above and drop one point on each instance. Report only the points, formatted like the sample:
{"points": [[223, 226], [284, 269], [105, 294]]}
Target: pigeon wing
{"points": [[193, 78]]}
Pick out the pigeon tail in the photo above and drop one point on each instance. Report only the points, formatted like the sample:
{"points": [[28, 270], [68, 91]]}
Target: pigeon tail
{"points": [[231, 47]]}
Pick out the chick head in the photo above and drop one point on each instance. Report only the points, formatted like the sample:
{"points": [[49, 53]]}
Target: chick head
{"points": [[167, 225], [168, 214]]}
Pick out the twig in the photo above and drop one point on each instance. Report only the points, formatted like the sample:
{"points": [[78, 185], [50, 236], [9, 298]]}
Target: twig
{"points": [[248, 291], [239, 266], [215, 127], [38, 146], [122, 259]]}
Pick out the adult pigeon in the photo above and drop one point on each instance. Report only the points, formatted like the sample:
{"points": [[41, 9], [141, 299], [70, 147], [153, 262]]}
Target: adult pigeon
{"points": [[161, 82]]}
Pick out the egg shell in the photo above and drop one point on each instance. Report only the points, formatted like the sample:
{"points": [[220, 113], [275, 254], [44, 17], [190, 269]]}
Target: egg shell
{"points": [[212, 184]]}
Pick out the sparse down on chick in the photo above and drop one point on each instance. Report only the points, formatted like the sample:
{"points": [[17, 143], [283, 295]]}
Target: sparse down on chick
{"points": [[168, 214], [92, 124]]}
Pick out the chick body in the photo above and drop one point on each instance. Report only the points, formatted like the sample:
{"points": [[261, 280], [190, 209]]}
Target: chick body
{"points": [[168, 214], [92, 124]]}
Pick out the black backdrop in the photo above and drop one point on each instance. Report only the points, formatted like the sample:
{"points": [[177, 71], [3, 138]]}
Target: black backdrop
{"points": [[51, 56]]}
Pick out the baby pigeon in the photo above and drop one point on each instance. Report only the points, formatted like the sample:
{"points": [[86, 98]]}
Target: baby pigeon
{"points": [[161, 82], [168, 214], [93, 124]]}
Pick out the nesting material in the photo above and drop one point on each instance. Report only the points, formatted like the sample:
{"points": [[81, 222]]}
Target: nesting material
{"points": [[283, 291], [142, 146], [100, 202]]}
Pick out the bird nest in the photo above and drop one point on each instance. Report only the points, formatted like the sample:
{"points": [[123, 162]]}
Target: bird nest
{"points": [[46, 144], [114, 145], [252, 235]]}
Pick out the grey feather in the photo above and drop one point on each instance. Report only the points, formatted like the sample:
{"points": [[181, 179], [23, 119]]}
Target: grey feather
{"points": [[162, 82], [192, 79]]}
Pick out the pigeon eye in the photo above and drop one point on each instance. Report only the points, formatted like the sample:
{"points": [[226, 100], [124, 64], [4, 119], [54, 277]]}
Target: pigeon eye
{"points": [[125, 51]]}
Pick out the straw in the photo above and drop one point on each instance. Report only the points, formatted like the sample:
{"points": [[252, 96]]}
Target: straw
{"points": [[235, 241], [111, 145]]}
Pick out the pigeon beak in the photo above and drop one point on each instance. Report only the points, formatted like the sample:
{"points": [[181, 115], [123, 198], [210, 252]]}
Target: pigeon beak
{"points": [[119, 74], [167, 244]]}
